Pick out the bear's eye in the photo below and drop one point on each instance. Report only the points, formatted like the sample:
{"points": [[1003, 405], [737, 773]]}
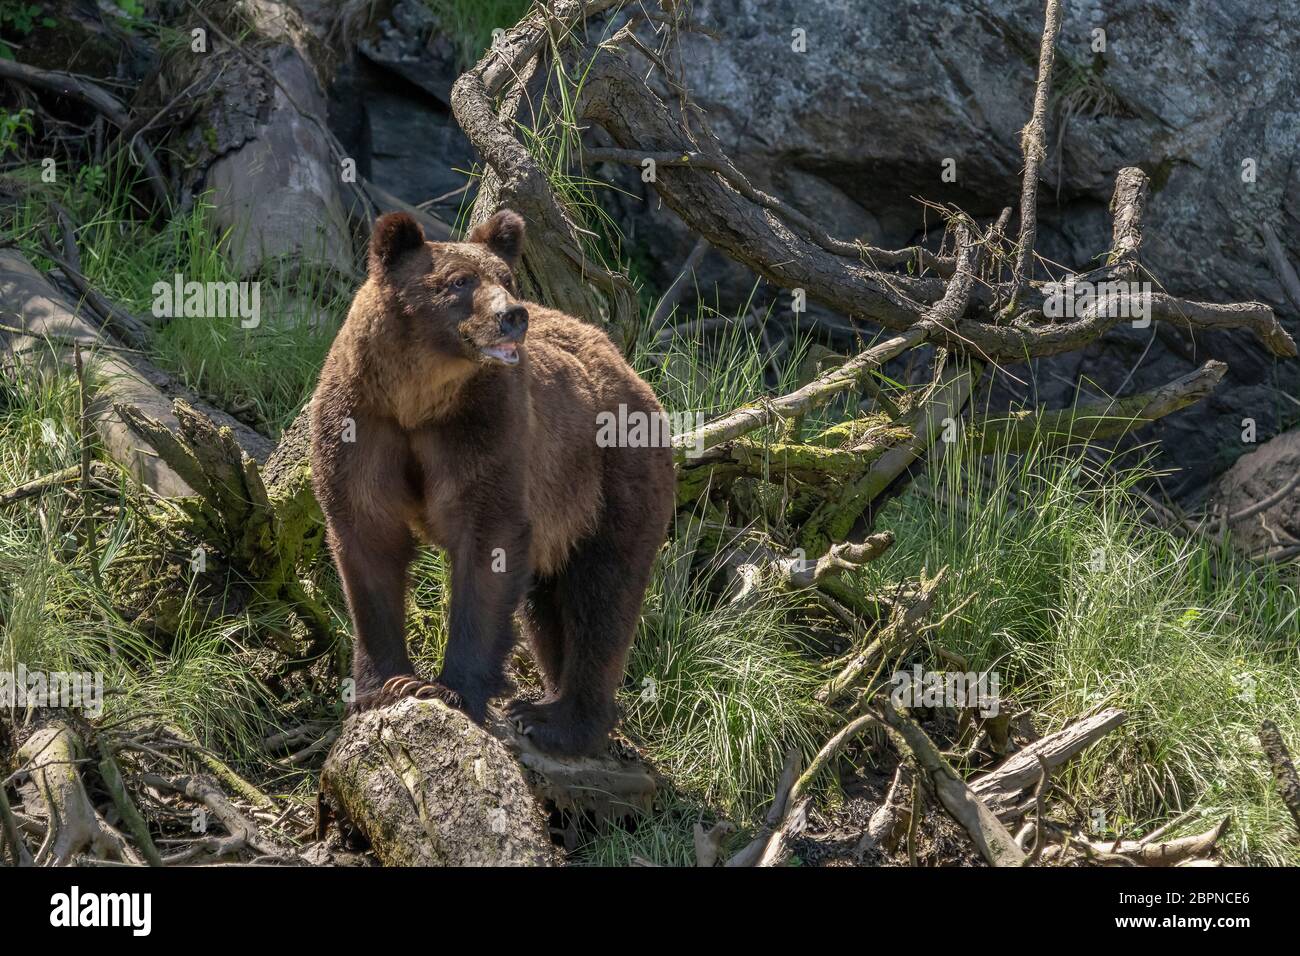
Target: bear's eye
{"points": [[460, 282]]}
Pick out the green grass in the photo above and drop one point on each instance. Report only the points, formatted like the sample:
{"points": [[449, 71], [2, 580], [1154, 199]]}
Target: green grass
{"points": [[1079, 604], [264, 373], [55, 615], [717, 695]]}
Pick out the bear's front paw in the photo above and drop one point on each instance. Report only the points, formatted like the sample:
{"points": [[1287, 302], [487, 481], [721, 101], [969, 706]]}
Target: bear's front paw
{"points": [[403, 686], [553, 727]]}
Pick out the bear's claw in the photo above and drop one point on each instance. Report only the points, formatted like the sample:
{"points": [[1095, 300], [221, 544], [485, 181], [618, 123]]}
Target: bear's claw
{"points": [[403, 686]]}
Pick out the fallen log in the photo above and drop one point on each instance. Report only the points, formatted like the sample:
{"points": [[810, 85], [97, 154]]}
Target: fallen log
{"points": [[1003, 788], [48, 328], [428, 787], [51, 756]]}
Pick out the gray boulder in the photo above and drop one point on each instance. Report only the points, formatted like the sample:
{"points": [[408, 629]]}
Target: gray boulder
{"points": [[1196, 93]]}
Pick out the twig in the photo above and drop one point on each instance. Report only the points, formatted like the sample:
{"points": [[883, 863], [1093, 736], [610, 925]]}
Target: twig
{"points": [[1040, 800], [243, 832]]}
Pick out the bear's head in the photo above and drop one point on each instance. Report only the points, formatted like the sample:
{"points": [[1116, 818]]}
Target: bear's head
{"points": [[454, 298]]}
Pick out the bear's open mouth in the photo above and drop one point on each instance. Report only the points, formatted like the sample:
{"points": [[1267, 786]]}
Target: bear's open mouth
{"points": [[507, 353]]}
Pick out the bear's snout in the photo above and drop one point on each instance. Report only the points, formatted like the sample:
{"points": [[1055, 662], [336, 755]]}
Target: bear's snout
{"points": [[513, 322]]}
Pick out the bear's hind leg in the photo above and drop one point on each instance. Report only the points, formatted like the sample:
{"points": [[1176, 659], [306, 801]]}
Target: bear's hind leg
{"points": [[598, 595]]}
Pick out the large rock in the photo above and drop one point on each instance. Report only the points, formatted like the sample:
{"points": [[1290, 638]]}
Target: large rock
{"points": [[858, 125], [1259, 475]]}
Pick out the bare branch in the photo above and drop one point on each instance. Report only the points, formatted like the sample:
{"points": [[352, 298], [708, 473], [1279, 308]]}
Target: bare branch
{"points": [[1031, 145]]}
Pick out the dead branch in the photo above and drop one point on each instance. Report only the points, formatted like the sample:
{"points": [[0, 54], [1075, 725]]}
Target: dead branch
{"points": [[904, 628], [1127, 206], [776, 814], [19, 855], [120, 323], [1002, 788], [1264, 504], [1094, 421], [242, 833], [847, 376], [708, 843], [615, 97], [1170, 853], [995, 844], [789, 811], [1031, 146]]}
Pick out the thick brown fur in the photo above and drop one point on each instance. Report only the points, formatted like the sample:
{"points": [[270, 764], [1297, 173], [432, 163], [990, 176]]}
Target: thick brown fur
{"points": [[497, 464]]}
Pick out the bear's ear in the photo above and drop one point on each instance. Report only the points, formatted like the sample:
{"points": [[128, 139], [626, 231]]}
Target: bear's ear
{"points": [[503, 234], [394, 234]]}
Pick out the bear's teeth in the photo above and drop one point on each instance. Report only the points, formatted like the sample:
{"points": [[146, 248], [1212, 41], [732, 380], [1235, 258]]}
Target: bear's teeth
{"points": [[506, 352]]}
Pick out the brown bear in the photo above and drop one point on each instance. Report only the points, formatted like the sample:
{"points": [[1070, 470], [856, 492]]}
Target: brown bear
{"points": [[450, 411]]}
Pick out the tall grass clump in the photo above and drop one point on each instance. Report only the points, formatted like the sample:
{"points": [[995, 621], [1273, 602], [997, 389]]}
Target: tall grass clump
{"points": [[1079, 603], [58, 615]]}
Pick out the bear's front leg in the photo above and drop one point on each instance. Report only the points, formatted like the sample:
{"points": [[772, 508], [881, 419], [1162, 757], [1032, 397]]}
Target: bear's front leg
{"points": [[489, 574]]}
